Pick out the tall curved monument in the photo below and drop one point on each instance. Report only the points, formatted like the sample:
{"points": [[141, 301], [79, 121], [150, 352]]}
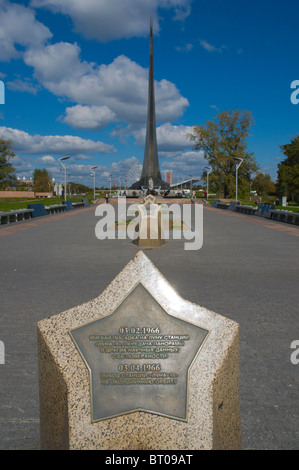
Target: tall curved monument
{"points": [[151, 177]]}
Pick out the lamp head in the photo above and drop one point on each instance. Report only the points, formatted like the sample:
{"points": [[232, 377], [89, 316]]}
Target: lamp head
{"points": [[240, 160]]}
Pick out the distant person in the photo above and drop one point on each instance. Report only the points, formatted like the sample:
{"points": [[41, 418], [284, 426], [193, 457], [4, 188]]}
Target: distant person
{"points": [[107, 197], [194, 195], [205, 193]]}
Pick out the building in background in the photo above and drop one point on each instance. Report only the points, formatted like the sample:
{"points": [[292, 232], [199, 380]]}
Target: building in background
{"points": [[169, 176], [58, 189], [23, 183]]}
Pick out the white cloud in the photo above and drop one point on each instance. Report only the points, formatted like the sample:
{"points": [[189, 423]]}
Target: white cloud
{"points": [[185, 48], [48, 160], [52, 144], [102, 94], [22, 164], [106, 20], [52, 65], [18, 27], [182, 8], [80, 156], [121, 168], [184, 164], [116, 92], [210, 48], [75, 173], [173, 137], [169, 137], [89, 117], [82, 170], [23, 86]]}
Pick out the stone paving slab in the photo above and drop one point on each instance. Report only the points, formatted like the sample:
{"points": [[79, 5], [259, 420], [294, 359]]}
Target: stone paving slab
{"points": [[245, 270]]}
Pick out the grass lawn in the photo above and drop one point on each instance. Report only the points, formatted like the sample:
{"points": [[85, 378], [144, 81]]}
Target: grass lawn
{"points": [[8, 204], [288, 208], [252, 203]]}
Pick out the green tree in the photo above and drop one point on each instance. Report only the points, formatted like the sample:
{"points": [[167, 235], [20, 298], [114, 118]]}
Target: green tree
{"points": [[223, 139], [7, 177], [41, 180], [288, 171], [77, 188], [263, 184]]}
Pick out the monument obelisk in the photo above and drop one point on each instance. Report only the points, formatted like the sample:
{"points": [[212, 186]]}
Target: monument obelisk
{"points": [[151, 176]]}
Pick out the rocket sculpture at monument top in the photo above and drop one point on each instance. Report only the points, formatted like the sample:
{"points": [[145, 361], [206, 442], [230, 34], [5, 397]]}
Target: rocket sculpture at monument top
{"points": [[151, 176]]}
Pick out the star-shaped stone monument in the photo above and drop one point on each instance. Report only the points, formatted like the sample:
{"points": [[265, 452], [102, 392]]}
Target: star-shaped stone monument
{"points": [[139, 367], [139, 358]]}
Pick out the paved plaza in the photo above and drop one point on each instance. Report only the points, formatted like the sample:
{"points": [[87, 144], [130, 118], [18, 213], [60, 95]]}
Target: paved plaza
{"points": [[247, 270]]}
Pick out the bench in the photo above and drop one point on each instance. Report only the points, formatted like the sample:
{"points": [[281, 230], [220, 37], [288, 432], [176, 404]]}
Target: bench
{"points": [[55, 208], [215, 203], [15, 215], [226, 205], [86, 202], [222, 205], [38, 210], [78, 205], [68, 205], [247, 210], [233, 205], [263, 210], [284, 216]]}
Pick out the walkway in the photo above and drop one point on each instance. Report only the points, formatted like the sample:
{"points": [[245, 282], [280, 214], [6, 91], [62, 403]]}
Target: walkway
{"points": [[246, 270]]}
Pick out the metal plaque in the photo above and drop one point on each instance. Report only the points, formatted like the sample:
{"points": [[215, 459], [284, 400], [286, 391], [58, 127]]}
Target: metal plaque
{"points": [[139, 358]]}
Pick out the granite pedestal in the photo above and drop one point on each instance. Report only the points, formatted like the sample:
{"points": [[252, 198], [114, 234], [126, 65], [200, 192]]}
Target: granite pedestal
{"points": [[139, 368]]}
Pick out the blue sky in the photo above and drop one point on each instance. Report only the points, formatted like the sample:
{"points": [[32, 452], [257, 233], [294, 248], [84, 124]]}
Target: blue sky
{"points": [[76, 77]]}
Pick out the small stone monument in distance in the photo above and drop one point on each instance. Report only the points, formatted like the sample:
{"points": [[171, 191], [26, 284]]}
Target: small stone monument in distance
{"points": [[151, 233], [139, 368]]}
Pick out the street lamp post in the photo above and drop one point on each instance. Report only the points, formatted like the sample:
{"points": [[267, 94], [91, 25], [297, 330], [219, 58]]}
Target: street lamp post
{"points": [[109, 176], [237, 168], [62, 159], [94, 180], [208, 172], [69, 184], [191, 176]]}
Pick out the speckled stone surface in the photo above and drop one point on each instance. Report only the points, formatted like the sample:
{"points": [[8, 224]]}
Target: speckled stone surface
{"points": [[150, 226], [64, 383]]}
